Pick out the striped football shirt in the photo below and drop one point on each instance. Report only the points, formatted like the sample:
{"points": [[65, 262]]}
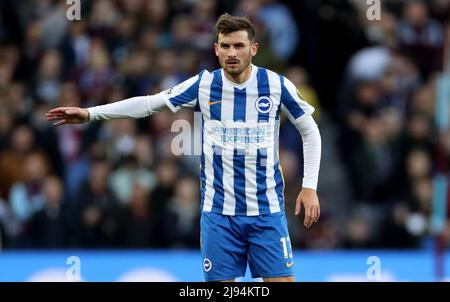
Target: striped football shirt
{"points": [[240, 167]]}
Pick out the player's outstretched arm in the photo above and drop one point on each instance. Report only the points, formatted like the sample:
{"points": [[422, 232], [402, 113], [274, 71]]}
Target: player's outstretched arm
{"points": [[183, 95], [135, 107], [68, 115]]}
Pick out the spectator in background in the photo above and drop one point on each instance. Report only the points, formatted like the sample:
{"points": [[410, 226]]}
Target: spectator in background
{"points": [[401, 229], [128, 173], [19, 102], [440, 10], [181, 33], [54, 26], [32, 45], [203, 16], [136, 68], [95, 209], [22, 143], [143, 152], [421, 37], [121, 139], [167, 65], [166, 173], [139, 223], [98, 76], [6, 124], [266, 56], [103, 17], [48, 80], [182, 219], [26, 195], [283, 30], [49, 227], [300, 79], [10, 228], [156, 13], [75, 48]]}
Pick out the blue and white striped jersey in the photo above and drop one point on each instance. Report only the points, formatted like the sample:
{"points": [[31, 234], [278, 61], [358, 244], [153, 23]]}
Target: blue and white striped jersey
{"points": [[240, 169]]}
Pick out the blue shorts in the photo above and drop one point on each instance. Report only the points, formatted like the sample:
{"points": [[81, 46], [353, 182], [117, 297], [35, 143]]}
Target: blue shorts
{"points": [[229, 242]]}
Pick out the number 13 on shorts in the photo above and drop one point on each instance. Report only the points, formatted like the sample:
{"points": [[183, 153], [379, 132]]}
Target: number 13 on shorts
{"points": [[287, 248]]}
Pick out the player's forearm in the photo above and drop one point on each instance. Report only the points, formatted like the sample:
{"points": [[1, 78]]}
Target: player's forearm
{"points": [[135, 107], [312, 148]]}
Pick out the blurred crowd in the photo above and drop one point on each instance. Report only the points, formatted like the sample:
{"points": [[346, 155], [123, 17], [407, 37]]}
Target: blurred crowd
{"points": [[117, 184]]}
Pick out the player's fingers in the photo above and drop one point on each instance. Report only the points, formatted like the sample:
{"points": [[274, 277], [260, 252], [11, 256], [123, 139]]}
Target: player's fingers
{"points": [[308, 221], [298, 206], [58, 110], [318, 213], [53, 118], [54, 114], [61, 122], [308, 216], [314, 214]]}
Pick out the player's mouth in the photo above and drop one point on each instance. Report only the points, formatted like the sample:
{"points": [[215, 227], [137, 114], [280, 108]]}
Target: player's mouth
{"points": [[232, 63]]}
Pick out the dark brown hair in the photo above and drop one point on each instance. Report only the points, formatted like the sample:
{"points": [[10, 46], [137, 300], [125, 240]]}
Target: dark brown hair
{"points": [[227, 24]]}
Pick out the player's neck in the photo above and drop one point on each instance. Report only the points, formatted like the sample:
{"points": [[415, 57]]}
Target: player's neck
{"points": [[240, 78]]}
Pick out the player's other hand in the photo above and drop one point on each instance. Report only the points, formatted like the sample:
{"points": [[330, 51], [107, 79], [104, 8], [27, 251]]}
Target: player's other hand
{"points": [[67, 115], [311, 203]]}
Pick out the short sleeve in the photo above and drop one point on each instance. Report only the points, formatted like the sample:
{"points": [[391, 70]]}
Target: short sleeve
{"points": [[184, 94], [292, 102]]}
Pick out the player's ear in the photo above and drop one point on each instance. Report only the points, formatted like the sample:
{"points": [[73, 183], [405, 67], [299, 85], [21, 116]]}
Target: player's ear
{"points": [[216, 48], [254, 49]]}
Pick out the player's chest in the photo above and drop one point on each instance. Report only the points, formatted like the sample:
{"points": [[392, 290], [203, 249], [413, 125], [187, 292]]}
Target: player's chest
{"points": [[239, 105]]}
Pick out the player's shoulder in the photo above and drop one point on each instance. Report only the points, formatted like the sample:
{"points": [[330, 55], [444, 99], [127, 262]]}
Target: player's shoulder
{"points": [[205, 74], [270, 73]]}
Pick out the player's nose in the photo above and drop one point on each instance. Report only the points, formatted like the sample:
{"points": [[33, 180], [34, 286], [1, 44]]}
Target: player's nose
{"points": [[232, 54]]}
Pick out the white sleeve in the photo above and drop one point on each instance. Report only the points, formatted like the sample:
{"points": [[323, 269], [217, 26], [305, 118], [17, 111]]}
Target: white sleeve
{"points": [[312, 148], [135, 107]]}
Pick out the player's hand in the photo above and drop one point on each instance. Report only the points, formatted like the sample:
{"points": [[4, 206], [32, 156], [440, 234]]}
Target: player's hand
{"points": [[68, 115], [311, 203]]}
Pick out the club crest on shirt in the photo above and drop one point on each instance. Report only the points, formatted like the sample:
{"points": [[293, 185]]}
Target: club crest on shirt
{"points": [[207, 264], [264, 104]]}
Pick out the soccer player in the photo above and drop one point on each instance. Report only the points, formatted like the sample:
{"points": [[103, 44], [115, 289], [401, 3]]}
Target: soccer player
{"points": [[243, 216]]}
